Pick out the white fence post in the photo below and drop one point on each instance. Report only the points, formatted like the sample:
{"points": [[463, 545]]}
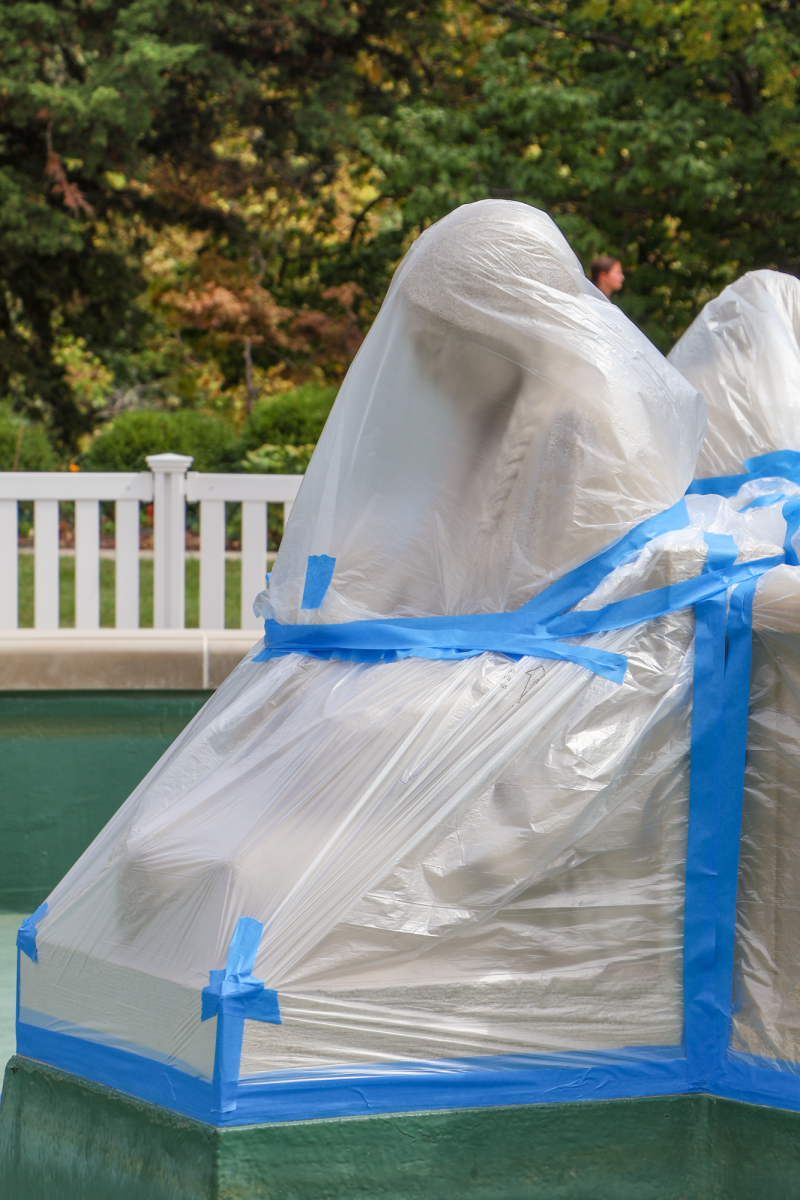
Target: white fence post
{"points": [[45, 564], [126, 580], [254, 559], [212, 564], [169, 538], [87, 564], [9, 564]]}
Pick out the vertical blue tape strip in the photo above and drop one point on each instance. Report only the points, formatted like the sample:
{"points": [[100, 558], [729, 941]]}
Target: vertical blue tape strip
{"points": [[319, 574], [233, 996], [732, 767], [791, 514], [722, 552], [26, 937], [702, 851]]}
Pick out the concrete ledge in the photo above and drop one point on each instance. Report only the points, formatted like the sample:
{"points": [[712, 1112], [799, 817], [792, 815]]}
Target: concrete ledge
{"points": [[62, 1138], [120, 659]]}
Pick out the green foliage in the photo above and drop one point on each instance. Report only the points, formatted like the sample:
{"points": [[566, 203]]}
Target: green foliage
{"points": [[666, 134], [203, 199], [125, 117], [278, 460], [24, 441], [124, 444], [293, 418]]}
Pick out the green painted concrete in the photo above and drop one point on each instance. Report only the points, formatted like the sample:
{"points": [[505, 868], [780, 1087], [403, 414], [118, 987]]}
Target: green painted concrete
{"points": [[67, 762], [64, 1139], [9, 924]]}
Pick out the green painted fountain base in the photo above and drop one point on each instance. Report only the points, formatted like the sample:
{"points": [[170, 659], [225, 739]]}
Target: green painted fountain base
{"points": [[69, 759], [64, 1139]]}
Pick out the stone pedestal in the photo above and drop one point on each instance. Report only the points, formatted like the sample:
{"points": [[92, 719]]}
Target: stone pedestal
{"points": [[64, 1139]]}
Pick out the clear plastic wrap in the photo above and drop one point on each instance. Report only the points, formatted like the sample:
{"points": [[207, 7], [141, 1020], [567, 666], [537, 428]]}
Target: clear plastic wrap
{"points": [[743, 354], [454, 862], [501, 423], [766, 999]]}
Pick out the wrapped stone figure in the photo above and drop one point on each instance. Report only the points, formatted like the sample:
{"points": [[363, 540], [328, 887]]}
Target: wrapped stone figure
{"points": [[454, 859]]}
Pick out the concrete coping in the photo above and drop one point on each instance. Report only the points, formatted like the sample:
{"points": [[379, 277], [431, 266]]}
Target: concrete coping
{"points": [[120, 659]]}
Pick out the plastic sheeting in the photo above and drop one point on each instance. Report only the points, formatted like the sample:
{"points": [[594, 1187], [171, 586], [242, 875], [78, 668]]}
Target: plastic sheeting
{"points": [[476, 880], [766, 1010], [743, 354], [501, 423]]}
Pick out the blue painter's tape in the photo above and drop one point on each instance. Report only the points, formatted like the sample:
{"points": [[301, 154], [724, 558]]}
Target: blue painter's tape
{"points": [[791, 514], [660, 601], [736, 704], [319, 573], [722, 552], [765, 501], [779, 464], [233, 996], [26, 937], [702, 852], [369, 1090], [531, 630], [718, 485]]}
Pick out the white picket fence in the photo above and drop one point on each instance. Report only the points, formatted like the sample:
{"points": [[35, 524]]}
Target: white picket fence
{"points": [[168, 485]]}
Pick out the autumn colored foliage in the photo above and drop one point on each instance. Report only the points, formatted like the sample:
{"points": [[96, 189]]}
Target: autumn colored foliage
{"points": [[202, 202]]}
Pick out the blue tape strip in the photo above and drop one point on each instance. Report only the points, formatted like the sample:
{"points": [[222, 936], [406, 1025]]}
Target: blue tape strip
{"points": [[26, 937], [660, 601], [736, 702], [233, 996], [368, 1090], [515, 634], [791, 514], [319, 573], [764, 501], [534, 629], [722, 552], [718, 485], [779, 464], [702, 850]]}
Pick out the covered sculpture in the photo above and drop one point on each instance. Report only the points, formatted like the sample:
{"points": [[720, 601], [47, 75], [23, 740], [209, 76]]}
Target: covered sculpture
{"points": [[743, 354], [420, 867]]}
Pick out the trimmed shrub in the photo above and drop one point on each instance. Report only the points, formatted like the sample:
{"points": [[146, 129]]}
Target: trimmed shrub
{"points": [[125, 443], [293, 418], [35, 450]]}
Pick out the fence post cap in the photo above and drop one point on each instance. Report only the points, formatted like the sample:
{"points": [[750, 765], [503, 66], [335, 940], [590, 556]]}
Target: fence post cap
{"points": [[170, 463]]}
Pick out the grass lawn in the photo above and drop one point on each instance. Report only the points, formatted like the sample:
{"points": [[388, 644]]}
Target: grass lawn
{"points": [[233, 591]]}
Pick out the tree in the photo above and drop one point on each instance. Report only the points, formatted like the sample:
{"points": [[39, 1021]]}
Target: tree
{"points": [[120, 118], [202, 201], [667, 134]]}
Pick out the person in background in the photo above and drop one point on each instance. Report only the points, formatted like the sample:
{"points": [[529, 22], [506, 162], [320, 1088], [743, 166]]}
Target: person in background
{"points": [[607, 274]]}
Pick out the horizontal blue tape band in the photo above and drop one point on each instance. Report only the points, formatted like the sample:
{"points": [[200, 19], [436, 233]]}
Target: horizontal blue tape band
{"points": [[778, 464], [521, 633], [365, 1091], [394, 1088]]}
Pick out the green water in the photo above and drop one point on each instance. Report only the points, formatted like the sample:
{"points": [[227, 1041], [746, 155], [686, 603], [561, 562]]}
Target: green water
{"points": [[9, 924]]}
